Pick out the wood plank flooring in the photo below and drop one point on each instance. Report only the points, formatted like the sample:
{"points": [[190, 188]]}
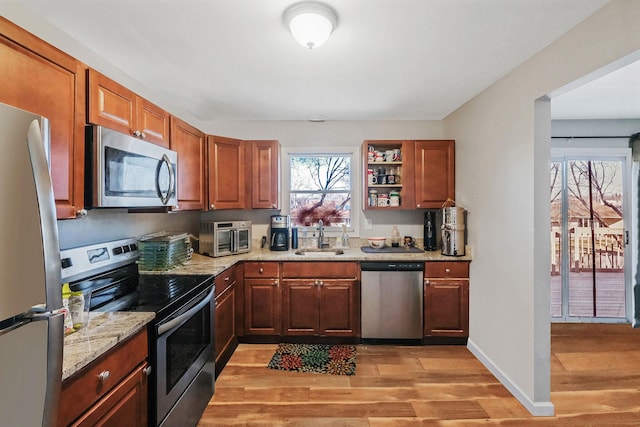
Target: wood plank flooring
{"points": [[595, 381]]}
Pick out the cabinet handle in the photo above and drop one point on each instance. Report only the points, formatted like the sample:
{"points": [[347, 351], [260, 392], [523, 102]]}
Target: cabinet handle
{"points": [[143, 135], [103, 376], [81, 213], [321, 284], [137, 133], [147, 371], [447, 270], [212, 206], [261, 270], [226, 279], [276, 282], [427, 282]]}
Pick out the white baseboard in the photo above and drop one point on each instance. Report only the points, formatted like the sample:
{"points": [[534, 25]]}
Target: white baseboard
{"points": [[537, 409]]}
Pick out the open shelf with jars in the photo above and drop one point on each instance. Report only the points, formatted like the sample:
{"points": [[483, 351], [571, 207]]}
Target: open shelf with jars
{"points": [[388, 177]]}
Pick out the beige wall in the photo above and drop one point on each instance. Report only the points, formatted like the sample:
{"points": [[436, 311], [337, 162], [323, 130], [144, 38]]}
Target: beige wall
{"points": [[502, 155]]}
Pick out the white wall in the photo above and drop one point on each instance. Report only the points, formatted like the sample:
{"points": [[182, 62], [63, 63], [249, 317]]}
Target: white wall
{"points": [[502, 154]]}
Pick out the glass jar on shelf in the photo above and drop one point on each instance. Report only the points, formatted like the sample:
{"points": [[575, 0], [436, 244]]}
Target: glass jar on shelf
{"points": [[373, 198]]}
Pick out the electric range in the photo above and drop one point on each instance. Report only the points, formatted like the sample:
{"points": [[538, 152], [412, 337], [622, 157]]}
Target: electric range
{"points": [[181, 337]]}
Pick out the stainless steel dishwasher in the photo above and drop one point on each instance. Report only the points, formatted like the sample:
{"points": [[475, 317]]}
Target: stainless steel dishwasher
{"points": [[392, 300]]}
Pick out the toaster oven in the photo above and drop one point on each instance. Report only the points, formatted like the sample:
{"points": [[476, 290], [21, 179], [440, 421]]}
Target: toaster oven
{"points": [[219, 238]]}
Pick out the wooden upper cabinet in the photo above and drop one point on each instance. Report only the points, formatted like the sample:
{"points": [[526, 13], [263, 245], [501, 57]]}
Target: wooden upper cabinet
{"points": [[189, 143], [434, 172], [265, 174], [400, 169], [116, 107], [153, 122], [39, 78], [227, 173]]}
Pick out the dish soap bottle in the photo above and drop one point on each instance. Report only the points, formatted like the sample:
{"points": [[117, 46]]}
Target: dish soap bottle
{"points": [[345, 237], [395, 237]]}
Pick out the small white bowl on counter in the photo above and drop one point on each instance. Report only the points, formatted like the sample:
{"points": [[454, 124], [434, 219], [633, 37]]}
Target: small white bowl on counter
{"points": [[377, 242]]}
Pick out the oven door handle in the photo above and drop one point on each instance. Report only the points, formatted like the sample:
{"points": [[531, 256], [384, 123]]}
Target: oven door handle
{"points": [[186, 315]]}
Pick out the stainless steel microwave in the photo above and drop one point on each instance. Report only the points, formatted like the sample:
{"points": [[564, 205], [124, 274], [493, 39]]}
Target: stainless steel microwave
{"points": [[127, 172], [224, 238]]}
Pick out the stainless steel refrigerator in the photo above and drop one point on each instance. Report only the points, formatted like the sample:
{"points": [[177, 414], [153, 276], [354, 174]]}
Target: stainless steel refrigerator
{"points": [[31, 325]]}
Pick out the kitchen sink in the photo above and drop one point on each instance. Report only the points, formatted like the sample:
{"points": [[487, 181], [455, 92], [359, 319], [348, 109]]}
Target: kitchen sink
{"points": [[316, 251]]}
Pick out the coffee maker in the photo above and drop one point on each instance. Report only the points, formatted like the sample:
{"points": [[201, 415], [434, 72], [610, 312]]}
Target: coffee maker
{"points": [[430, 230], [279, 236]]}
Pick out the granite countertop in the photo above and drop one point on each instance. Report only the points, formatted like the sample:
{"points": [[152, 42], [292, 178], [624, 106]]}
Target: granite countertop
{"points": [[105, 331], [201, 264]]}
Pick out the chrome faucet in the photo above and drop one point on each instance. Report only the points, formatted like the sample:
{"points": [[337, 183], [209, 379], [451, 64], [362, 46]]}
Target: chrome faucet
{"points": [[321, 234]]}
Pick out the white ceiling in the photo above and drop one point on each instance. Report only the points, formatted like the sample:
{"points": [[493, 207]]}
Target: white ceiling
{"points": [[387, 60]]}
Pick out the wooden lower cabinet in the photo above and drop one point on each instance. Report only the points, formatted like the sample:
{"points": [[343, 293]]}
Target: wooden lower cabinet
{"points": [[125, 405], [225, 317], [262, 298], [112, 390], [446, 299], [326, 304]]}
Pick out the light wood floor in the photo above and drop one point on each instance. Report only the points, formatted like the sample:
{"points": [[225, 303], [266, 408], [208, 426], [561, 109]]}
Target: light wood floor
{"points": [[595, 381]]}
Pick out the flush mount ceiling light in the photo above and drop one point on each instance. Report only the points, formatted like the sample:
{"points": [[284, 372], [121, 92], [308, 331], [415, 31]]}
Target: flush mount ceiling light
{"points": [[310, 22]]}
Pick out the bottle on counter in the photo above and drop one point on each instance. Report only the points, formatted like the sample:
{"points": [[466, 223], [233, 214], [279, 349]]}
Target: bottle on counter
{"points": [[395, 237], [345, 237]]}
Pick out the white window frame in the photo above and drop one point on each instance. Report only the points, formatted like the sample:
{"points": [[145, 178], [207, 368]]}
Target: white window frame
{"points": [[354, 180]]}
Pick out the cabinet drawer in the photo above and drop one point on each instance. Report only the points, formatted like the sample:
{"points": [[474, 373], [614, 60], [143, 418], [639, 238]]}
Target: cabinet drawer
{"points": [[261, 269], [84, 389], [225, 279], [458, 269], [324, 270]]}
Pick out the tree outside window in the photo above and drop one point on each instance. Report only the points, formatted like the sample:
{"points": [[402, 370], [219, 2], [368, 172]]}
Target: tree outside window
{"points": [[320, 189]]}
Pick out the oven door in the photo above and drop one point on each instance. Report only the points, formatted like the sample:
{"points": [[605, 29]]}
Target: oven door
{"points": [[223, 241], [243, 242], [185, 344]]}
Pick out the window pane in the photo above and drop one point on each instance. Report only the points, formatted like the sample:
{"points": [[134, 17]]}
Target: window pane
{"points": [[332, 208], [320, 189], [556, 239]]}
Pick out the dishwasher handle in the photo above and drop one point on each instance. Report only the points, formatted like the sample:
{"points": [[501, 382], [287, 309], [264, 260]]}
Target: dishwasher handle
{"points": [[391, 266]]}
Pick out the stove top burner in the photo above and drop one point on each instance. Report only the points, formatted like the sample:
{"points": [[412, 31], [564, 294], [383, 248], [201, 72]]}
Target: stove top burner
{"points": [[124, 289]]}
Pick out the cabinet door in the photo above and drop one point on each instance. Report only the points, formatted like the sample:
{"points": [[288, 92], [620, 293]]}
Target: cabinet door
{"points": [[300, 308], [227, 173], [125, 405], [262, 308], [189, 143], [153, 122], [111, 104], [339, 313], [434, 172], [39, 78], [265, 174], [225, 325], [446, 307]]}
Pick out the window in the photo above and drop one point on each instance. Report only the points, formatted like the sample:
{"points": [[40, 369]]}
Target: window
{"points": [[320, 188]]}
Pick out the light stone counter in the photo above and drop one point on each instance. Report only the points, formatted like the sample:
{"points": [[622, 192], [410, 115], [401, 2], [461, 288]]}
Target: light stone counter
{"points": [[104, 332], [200, 264]]}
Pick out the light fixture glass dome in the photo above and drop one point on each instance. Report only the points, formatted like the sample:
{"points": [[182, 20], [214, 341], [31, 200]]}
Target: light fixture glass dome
{"points": [[311, 23]]}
